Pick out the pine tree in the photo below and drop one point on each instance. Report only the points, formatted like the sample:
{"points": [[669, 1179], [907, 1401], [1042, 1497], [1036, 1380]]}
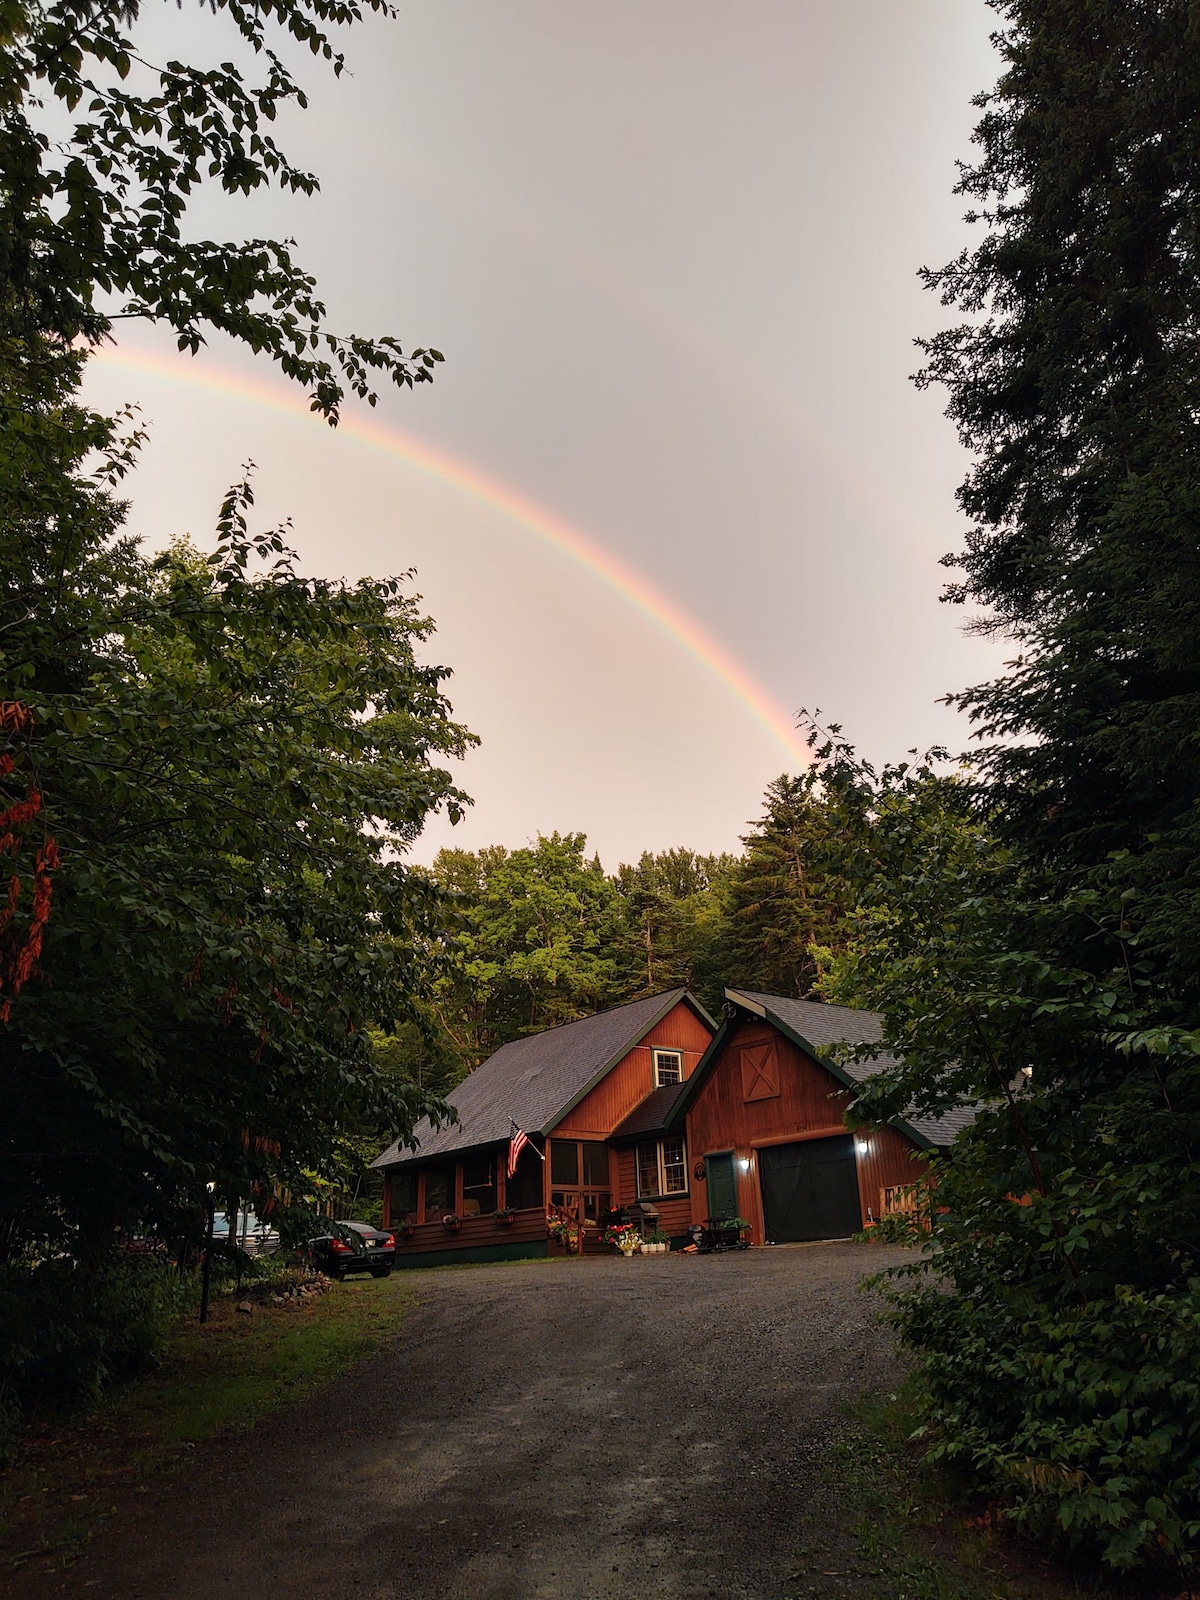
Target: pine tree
{"points": [[783, 897], [1075, 384]]}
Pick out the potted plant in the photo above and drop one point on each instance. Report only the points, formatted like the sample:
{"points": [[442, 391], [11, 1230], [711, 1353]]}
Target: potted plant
{"points": [[659, 1242], [564, 1231], [625, 1236], [452, 1221], [725, 1233], [505, 1217]]}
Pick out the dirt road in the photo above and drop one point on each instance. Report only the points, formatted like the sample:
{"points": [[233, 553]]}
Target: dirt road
{"points": [[580, 1430]]}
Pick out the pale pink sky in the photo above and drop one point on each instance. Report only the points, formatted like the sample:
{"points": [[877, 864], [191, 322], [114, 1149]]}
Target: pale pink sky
{"points": [[669, 249]]}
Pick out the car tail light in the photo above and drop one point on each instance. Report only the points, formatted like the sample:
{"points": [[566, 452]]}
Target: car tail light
{"points": [[342, 1249], [390, 1242]]}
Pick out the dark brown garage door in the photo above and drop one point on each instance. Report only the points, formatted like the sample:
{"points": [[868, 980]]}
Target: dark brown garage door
{"points": [[810, 1189]]}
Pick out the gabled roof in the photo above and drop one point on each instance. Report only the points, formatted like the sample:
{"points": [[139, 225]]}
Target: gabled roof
{"points": [[815, 1028], [537, 1081]]}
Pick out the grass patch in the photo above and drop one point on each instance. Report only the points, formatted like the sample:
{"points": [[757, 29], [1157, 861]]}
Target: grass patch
{"points": [[72, 1476], [913, 1533]]}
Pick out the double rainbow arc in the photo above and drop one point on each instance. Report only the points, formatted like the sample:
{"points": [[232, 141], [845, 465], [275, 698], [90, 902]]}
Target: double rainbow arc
{"points": [[488, 491]]}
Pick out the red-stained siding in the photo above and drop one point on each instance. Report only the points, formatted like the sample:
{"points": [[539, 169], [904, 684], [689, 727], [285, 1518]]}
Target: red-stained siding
{"points": [[764, 1090], [631, 1080]]}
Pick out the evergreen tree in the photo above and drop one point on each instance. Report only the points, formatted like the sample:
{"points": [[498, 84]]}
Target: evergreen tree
{"points": [[1074, 386], [783, 899], [1041, 957]]}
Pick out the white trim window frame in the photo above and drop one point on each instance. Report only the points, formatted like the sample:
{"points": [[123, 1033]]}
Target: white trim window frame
{"points": [[668, 1067], [663, 1163]]}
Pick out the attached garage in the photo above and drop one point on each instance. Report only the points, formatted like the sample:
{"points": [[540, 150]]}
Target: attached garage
{"points": [[764, 1115]]}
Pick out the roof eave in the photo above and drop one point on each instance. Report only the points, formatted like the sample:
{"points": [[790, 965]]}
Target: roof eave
{"points": [[439, 1155]]}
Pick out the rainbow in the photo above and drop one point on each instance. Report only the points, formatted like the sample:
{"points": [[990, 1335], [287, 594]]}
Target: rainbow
{"points": [[499, 497]]}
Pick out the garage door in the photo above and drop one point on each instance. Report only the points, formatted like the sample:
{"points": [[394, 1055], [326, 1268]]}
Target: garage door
{"points": [[810, 1189]]}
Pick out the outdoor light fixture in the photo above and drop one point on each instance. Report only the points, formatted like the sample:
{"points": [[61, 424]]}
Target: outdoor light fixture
{"points": [[745, 1163], [862, 1147]]}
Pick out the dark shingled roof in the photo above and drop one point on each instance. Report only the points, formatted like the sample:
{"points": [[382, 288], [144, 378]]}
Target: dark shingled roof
{"points": [[536, 1081], [817, 1027], [651, 1115]]}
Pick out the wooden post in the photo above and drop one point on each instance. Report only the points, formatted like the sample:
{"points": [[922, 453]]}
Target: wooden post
{"points": [[206, 1272]]}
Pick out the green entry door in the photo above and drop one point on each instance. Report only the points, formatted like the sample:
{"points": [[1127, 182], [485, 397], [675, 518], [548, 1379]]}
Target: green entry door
{"points": [[722, 1188]]}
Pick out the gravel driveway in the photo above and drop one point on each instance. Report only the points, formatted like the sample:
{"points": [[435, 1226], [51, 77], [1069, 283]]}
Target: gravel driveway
{"points": [[575, 1430]]}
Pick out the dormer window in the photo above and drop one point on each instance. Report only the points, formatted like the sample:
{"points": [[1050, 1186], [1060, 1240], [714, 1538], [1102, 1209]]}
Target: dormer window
{"points": [[668, 1067]]}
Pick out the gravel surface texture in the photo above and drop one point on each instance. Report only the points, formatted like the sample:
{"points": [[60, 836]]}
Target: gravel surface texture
{"points": [[577, 1430]]}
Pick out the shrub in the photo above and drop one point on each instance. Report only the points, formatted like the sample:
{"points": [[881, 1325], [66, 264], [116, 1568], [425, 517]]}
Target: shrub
{"points": [[68, 1329]]}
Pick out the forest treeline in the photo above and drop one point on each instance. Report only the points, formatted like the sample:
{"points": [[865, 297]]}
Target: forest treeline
{"points": [[541, 935]]}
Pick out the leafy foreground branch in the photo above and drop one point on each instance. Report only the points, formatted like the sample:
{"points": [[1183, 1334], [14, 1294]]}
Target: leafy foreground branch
{"points": [[1054, 1315], [232, 759], [1041, 956], [93, 211]]}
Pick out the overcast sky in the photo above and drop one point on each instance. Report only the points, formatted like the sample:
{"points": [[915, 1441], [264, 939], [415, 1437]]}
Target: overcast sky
{"points": [[669, 249]]}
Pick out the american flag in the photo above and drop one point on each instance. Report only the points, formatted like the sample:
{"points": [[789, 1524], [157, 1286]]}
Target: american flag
{"points": [[517, 1142]]}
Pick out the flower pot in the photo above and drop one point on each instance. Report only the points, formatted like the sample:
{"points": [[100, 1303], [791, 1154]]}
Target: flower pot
{"points": [[452, 1224], [505, 1219], [409, 1230]]}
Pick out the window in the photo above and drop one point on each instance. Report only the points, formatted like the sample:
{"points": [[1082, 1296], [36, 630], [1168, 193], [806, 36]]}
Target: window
{"points": [[439, 1193], [479, 1186], [668, 1067], [674, 1166], [647, 1169], [662, 1168], [595, 1165], [404, 1195], [564, 1163], [523, 1190]]}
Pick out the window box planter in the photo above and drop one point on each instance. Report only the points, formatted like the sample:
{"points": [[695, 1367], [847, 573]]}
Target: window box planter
{"points": [[505, 1218]]}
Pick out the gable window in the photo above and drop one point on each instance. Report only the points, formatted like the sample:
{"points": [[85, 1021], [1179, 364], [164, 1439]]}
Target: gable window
{"points": [[668, 1067], [662, 1168]]}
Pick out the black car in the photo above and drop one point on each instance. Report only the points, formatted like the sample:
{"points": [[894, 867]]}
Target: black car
{"points": [[353, 1247]]}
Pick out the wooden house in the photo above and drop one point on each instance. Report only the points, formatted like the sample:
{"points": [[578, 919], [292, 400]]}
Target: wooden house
{"points": [[652, 1103], [567, 1088]]}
